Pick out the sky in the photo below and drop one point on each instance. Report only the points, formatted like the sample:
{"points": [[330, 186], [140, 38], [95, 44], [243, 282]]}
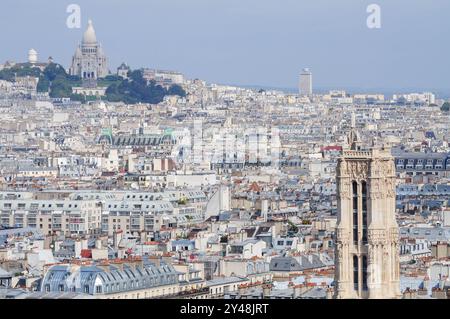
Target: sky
{"points": [[248, 42]]}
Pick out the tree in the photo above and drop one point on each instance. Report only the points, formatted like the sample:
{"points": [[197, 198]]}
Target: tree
{"points": [[78, 97], [176, 89], [60, 88], [9, 74], [155, 93], [43, 84], [53, 79], [445, 107], [137, 90], [54, 70], [137, 76]]}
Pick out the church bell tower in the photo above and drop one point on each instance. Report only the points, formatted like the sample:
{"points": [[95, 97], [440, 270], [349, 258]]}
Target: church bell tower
{"points": [[367, 258]]}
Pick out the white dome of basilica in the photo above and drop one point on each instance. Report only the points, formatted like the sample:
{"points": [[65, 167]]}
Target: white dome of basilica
{"points": [[89, 36]]}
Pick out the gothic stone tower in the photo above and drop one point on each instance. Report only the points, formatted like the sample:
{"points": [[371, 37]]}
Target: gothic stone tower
{"points": [[367, 261]]}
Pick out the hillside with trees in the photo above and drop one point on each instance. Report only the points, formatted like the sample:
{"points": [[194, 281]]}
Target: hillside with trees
{"points": [[55, 81], [137, 90]]}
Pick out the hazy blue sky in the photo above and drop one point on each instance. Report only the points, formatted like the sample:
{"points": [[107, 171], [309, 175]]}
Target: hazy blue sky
{"points": [[249, 42]]}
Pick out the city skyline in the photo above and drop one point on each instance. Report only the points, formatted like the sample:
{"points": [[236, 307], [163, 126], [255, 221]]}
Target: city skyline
{"points": [[220, 150], [339, 48]]}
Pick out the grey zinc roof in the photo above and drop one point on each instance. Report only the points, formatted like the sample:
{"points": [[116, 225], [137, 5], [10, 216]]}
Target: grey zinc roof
{"points": [[111, 280], [55, 295], [429, 233], [315, 293], [284, 264], [300, 263]]}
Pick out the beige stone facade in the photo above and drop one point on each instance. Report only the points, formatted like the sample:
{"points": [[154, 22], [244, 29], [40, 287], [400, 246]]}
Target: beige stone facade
{"points": [[367, 258]]}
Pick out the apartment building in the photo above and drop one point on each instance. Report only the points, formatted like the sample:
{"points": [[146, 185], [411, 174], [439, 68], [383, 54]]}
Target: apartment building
{"points": [[61, 217]]}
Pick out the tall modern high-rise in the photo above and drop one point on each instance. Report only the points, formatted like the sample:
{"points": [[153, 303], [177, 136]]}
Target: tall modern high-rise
{"points": [[305, 85], [367, 258], [89, 61]]}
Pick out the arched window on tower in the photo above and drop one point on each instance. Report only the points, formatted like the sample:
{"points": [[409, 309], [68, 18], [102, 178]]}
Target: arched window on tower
{"points": [[355, 272], [364, 212], [364, 273], [355, 211]]}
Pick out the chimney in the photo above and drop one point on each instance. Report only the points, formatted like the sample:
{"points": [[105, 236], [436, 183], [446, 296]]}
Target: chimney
{"points": [[167, 259], [57, 245], [117, 237], [103, 265], [154, 260], [118, 264], [138, 263], [329, 293], [266, 290], [439, 293], [407, 294], [298, 290], [426, 282], [78, 248], [84, 243]]}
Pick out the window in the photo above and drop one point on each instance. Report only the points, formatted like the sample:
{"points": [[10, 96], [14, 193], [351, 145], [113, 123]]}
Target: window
{"points": [[98, 289], [364, 273], [47, 288], [355, 211], [364, 212], [86, 289], [355, 272]]}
